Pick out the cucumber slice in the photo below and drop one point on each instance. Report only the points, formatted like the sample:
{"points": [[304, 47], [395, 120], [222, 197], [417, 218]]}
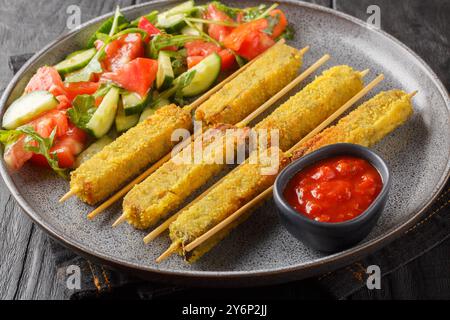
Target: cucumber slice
{"points": [[172, 24], [75, 61], [151, 110], [90, 151], [28, 107], [124, 122], [133, 103], [184, 7], [103, 118], [164, 77], [206, 73], [173, 20]]}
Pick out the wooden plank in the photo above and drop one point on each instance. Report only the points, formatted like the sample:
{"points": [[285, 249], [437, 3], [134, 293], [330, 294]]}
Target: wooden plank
{"points": [[422, 25]]}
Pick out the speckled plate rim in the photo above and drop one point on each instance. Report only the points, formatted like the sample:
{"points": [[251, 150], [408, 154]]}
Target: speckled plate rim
{"points": [[230, 278]]}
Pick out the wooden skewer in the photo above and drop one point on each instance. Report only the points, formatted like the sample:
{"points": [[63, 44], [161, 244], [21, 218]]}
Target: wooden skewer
{"points": [[167, 157], [68, 195], [265, 194], [190, 107], [162, 227], [171, 250], [241, 124], [165, 225]]}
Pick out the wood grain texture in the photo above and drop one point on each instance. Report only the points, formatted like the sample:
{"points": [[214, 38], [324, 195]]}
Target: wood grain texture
{"points": [[27, 266]]}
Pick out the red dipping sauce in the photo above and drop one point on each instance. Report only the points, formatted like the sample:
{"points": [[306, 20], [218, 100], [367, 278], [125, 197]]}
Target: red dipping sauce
{"points": [[335, 189]]}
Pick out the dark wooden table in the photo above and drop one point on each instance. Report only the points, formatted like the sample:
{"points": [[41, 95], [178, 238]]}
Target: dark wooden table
{"points": [[27, 266]]}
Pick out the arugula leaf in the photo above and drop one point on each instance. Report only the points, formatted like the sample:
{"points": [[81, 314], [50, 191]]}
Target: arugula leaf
{"points": [[42, 146], [273, 21], [165, 40], [119, 21], [83, 107], [183, 81], [9, 136], [288, 34], [35, 143]]}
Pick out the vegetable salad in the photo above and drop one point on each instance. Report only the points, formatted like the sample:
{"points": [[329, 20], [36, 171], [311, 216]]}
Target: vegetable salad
{"points": [[127, 70]]}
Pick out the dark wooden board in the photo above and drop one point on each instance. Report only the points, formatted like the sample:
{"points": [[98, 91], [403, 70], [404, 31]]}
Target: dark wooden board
{"points": [[27, 265]]}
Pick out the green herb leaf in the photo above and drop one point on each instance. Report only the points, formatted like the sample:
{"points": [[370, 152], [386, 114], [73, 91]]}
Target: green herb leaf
{"points": [[288, 34], [161, 41], [119, 22], [42, 146], [273, 21], [9, 136], [83, 107]]}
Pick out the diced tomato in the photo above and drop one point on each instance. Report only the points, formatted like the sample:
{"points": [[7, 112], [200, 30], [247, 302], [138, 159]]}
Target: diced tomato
{"points": [[282, 23], [228, 59], [74, 89], [65, 147], [48, 79], [123, 50], [170, 48], [136, 76], [45, 124], [148, 27], [237, 37], [255, 44], [197, 50], [16, 155], [218, 32], [64, 102], [192, 61]]}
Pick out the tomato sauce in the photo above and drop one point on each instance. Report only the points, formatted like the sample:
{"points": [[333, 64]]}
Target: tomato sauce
{"points": [[335, 189]]}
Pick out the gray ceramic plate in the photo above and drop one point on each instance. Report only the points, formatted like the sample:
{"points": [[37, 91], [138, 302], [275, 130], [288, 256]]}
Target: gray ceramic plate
{"points": [[261, 251]]}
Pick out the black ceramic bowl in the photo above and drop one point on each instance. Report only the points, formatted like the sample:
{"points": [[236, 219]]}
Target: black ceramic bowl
{"points": [[331, 237]]}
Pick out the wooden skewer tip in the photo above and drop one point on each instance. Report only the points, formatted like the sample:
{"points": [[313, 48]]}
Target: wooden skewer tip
{"points": [[68, 195], [304, 50], [364, 73], [412, 94], [171, 250], [120, 220]]}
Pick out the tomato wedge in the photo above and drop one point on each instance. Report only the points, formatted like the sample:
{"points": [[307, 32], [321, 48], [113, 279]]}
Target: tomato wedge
{"points": [[65, 147], [282, 23], [123, 50], [148, 27], [47, 79], [198, 50], [218, 32], [136, 76], [248, 40], [15, 154], [74, 89]]}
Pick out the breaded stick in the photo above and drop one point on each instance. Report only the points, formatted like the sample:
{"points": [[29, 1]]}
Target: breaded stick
{"points": [[173, 182], [143, 207], [265, 77], [125, 157], [240, 186], [312, 105], [367, 125]]}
